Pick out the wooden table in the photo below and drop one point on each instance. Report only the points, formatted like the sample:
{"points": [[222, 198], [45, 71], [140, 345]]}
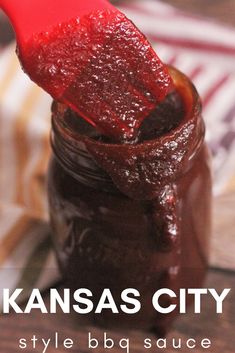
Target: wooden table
{"points": [[220, 329], [222, 10]]}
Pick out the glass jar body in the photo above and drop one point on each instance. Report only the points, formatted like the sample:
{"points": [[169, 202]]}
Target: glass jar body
{"points": [[107, 240]]}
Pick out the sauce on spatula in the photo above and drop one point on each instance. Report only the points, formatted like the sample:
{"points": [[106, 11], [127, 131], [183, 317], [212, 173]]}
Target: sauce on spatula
{"points": [[96, 62]]}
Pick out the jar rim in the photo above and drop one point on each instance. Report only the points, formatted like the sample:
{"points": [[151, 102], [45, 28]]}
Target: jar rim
{"points": [[191, 102], [171, 154]]}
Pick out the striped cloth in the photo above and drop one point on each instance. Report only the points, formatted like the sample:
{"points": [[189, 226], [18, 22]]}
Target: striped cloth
{"points": [[26, 257], [202, 49], [205, 51]]}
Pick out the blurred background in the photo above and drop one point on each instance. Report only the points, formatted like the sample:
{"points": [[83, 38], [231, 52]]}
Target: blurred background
{"points": [[197, 36], [223, 10]]}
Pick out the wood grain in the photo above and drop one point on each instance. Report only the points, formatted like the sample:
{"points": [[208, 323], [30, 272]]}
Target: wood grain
{"points": [[222, 10]]}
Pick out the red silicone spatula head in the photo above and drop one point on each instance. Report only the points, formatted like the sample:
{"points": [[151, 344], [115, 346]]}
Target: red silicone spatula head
{"points": [[90, 56], [35, 16]]}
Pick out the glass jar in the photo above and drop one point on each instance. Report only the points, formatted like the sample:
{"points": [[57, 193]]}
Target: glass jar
{"points": [[113, 230]]}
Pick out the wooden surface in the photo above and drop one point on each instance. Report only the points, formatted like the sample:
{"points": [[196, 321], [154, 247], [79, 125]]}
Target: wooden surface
{"points": [[223, 10], [219, 328]]}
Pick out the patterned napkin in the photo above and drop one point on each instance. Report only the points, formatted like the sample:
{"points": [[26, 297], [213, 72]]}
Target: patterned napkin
{"points": [[204, 50]]}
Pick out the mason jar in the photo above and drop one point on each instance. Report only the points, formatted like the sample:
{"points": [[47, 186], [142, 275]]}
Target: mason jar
{"points": [[132, 215]]}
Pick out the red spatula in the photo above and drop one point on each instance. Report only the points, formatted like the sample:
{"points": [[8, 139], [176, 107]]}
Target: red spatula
{"points": [[88, 55]]}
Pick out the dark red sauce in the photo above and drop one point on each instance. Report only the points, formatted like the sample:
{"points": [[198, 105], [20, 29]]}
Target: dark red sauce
{"points": [[133, 215], [130, 190], [101, 66]]}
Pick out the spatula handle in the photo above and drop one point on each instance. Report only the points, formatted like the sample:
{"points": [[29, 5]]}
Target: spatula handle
{"points": [[30, 17]]}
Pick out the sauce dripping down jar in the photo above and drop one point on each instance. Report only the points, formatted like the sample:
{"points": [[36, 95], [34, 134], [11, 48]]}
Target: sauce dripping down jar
{"points": [[132, 215]]}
